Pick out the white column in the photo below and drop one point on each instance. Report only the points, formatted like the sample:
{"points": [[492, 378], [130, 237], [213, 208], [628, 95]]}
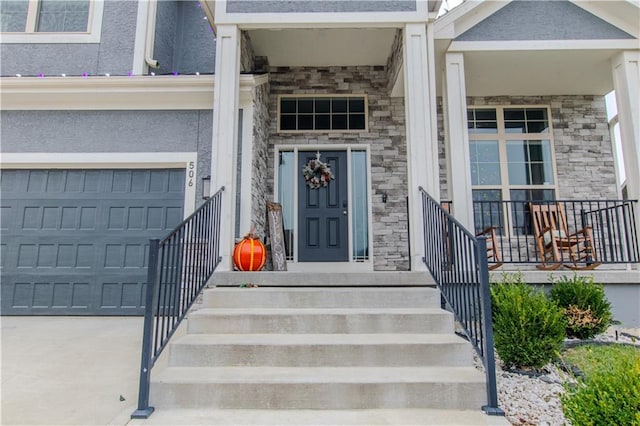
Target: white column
{"points": [[225, 132], [422, 147], [626, 82], [457, 139]]}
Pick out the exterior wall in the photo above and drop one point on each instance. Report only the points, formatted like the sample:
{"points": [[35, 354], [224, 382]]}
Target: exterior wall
{"points": [[287, 6], [582, 142], [260, 160], [542, 20], [394, 62], [247, 56], [184, 41], [114, 53], [386, 138], [583, 149], [110, 131]]}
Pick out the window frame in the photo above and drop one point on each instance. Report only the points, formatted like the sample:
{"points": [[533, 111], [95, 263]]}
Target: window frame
{"points": [[30, 35], [503, 137], [363, 96]]}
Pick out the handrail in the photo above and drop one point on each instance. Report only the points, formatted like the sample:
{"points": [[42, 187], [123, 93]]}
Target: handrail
{"points": [[457, 260], [179, 267]]}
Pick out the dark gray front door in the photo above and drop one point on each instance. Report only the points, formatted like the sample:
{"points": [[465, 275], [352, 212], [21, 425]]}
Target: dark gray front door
{"points": [[75, 242], [322, 213]]}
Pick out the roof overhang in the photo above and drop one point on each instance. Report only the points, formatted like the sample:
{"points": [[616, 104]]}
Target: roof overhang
{"points": [[183, 92]]}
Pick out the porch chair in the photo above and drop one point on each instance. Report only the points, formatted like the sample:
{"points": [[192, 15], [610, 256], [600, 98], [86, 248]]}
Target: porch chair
{"points": [[555, 244], [493, 249]]}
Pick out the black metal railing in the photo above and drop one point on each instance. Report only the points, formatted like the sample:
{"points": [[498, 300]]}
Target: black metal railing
{"points": [[458, 262], [179, 267], [612, 222]]}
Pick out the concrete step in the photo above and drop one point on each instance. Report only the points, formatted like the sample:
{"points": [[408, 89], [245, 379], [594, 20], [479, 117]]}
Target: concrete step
{"points": [[341, 297], [417, 417], [319, 350], [297, 279], [330, 388], [318, 320]]}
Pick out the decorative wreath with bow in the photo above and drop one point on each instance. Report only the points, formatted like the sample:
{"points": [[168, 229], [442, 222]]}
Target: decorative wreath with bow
{"points": [[317, 174]]}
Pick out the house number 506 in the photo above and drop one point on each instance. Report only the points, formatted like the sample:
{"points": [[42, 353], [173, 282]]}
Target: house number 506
{"points": [[191, 173]]}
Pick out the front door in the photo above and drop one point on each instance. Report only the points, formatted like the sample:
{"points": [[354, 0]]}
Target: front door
{"points": [[322, 212]]}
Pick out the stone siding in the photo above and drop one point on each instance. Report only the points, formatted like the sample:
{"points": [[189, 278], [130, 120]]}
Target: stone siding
{"points": [[394, 62], [260, 159], [582, 142], [247, 55], [385, 136]]}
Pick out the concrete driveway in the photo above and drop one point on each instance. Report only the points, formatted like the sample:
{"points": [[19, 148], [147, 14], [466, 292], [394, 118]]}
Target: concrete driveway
{"points": [[69, 370]]}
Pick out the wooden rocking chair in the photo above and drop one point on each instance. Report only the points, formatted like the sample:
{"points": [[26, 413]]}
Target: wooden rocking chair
{"points": [[493, 249], [554, 242]]}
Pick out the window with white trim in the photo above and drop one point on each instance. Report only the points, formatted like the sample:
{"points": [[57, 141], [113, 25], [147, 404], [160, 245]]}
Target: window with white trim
{"points": [[322, 113], [50, 21], [511, 155]]}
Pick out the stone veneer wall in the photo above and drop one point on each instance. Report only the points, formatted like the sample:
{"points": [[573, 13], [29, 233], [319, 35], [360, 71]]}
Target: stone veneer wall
{"points": [[247, 56], [582, 142], [394, 62], [260, 159], [386, 138]]}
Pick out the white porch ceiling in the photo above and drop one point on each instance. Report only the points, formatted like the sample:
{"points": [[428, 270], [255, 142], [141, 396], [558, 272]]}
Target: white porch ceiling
{"points": [[520, 73], [323, 46]]}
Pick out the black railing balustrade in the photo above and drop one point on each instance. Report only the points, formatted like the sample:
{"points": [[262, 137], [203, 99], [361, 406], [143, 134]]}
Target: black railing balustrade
{"points": [[457, 259], [179, 267], [612, 222]]}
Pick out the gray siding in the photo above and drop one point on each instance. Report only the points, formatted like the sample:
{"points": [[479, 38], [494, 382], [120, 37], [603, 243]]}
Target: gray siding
{"points": [[184, 40], [542, 20], [110, 131], [311, 6], [114, 53]]}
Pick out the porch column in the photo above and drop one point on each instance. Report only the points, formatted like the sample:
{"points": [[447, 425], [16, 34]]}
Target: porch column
{"points": [[225, 133], [457, 139], [422, 145], [626, 82]]}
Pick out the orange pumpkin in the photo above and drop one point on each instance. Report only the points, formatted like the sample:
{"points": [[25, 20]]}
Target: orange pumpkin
{"points": [[249, 254]]}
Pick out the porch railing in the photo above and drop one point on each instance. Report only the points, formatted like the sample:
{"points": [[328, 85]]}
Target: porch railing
{"points": [[458, 262], [179, 267], [613, 224]]}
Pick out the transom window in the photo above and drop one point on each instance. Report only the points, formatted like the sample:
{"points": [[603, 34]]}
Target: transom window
{"points": [[511, 155], [322, 113], [50, 21]]}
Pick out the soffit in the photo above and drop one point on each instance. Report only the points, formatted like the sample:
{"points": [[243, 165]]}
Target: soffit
{"points": [[324, 47]]}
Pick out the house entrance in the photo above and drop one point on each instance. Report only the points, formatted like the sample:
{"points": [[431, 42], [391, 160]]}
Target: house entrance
{"points": [[325, 222]]}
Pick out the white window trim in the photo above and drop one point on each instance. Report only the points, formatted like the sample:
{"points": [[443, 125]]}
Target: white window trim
{"points": [[116, 160], [328, 95], [92, 35], [502, 137], [351, 265]]}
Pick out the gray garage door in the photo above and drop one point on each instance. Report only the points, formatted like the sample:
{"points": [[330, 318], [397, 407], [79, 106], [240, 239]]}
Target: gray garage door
{"points": [[74, 242]]}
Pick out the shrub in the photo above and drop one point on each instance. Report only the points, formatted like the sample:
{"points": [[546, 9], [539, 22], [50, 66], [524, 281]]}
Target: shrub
{"points": [[528, 329], [610, 391], [584, 304]]}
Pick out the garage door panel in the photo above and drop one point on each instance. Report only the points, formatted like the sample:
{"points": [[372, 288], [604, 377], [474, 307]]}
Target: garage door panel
{"points": [[76, 241]]}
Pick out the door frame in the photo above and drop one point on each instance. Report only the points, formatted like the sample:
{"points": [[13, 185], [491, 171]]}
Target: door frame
{"points": [[351, 265]]}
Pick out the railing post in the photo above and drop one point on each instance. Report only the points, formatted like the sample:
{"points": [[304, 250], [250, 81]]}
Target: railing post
{"points": [[144, 410], [491, 408]]}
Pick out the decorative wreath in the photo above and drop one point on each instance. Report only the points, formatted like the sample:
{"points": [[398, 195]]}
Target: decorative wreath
{"points": [[317, 174]]}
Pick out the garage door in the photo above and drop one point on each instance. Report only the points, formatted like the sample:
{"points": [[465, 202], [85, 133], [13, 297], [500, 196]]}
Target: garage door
{"points": [[74, 242]]}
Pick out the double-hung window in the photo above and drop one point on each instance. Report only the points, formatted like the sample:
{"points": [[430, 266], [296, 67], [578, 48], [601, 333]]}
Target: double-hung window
{"points": [[50, 21], [511, 153]]}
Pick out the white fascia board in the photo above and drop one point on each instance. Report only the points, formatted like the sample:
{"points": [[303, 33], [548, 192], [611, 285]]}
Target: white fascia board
{"points": [[521, 45], [114, 93], [464, 17]]}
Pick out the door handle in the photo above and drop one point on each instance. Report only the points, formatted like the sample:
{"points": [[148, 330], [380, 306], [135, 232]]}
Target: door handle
{"points": [[344, 212]]}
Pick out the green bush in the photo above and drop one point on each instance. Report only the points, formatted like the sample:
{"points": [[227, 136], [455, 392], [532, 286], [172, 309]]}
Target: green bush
{"points": [[584, 304], [528, 329], [609, 394]]}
